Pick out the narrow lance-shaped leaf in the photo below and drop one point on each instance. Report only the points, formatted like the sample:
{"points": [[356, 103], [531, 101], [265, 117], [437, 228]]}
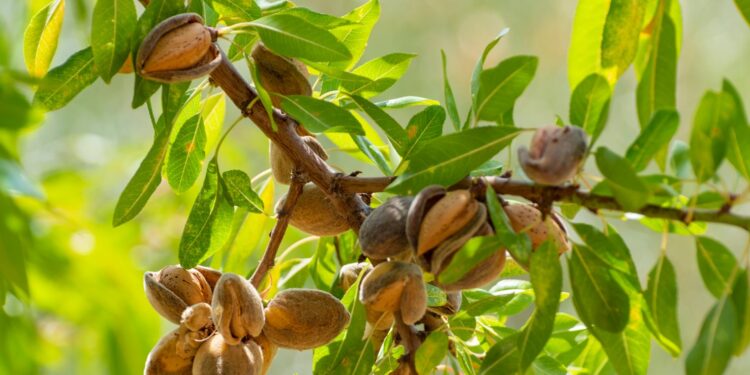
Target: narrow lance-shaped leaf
{"points": [[393, 130], [424, 126], [657, 84], [715, 263], [652, 138], [355, 37], [629, 190], [737, 153], [450, 100], [294, 37], [661, 299], [620, 36], [186, 155], [713, 350], [172, 99], [320, 116], [599, 299], [479, 67], [469, 256], [382, 73], [41, 36], [67, 80], [112, 28], [708, 139], [449, 158], [501, 86], [209, 223], [519, 245], [628, 350], [589, 105], [546, 277], [744, 7], [741, 299]]}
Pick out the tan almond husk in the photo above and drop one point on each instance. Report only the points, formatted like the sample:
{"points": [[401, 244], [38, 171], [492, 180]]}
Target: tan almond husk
{"points": [[282, 165], [315, 214], [237, 309], [173, 289], [304, 318], [383, 234], [528, 219], [555, 154], [448, 216], [280, 75], [217, 357]]}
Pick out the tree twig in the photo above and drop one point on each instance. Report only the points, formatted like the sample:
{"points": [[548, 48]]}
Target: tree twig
{"points": [[277, 234], [409, 339], [566, 194]]}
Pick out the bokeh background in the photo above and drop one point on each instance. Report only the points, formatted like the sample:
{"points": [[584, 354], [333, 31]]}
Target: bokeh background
{"points": [[87, 313]]}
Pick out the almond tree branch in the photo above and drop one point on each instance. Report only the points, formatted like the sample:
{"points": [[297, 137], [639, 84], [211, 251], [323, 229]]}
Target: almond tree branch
{"points": [[567, 194], [348, 204], [277, 234]]}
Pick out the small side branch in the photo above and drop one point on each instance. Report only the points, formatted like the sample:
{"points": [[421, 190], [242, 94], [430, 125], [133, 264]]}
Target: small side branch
{"points": [[409, 338], [277, 234]]}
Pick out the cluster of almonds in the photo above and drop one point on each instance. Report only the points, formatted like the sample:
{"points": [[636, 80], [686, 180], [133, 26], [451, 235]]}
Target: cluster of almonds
{"points": [[225, 329], [412, 235]]}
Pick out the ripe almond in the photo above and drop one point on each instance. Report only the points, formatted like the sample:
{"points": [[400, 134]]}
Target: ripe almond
{"points": [[445, 218], [178, 49]]}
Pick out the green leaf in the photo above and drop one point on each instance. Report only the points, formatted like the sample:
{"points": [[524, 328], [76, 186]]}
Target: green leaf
{"points": [[489, 168], [449, 158], [321, 20], [263, 94], [382, 73], [741, 299], [16, 112], [173, 97], [737, 153], [620, 37], [209, 223], [715, 263], [242, 45], [713, 349], [320, 116], [112, 28], [235, 11], [393, 130], [431, 352], [213, 111], [355, 38], [424, 126], [435, 296], [294, 37], [372, 152], [546, 277], [450, 100], [323, 268], [156, 11], [502, 358], [468, 256], [743, 6], [65, 81], [186, 155], [661, 299], [500, 87], [479, 67], [145, 180], [406, 101], [41, 36], [708, 140], [599, 299], [241, 193], [629, 190], [519, 245], [16, 235], [657, 83], [652, 138], [679, 159], [589, 105], [612, 251]]}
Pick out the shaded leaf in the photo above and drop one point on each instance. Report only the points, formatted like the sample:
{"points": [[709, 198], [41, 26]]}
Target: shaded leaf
{"points": [[628, 351], [652, 138], [41, 36], [393, 130], [661, 299], [715, 263], [713, 350], [468, 256], [479, 67], [629, 190], [518, 245], [449, 158], [66, 81], [708, 139], [112, 28], [737, 153], [431, 352], [741, 299], [744, 7]]}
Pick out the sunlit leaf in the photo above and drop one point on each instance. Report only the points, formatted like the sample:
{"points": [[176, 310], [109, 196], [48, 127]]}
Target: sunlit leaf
{"points": [[450, 100], [422, 127], [355, 38], [661, 299], [501, 86], [738, 154], [449, 158], [744, 7], [713, 349], [431, 352], [382, 73], [652, 138], [240, 191], [186, 155], [234, 11], [715, 263], [112, 28], [657, 82], [41, 37], [66, 81], [294, 37], [589, 105], [393, 130], [320, 116], [479, 67], [620, 36], [628, 350]]}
